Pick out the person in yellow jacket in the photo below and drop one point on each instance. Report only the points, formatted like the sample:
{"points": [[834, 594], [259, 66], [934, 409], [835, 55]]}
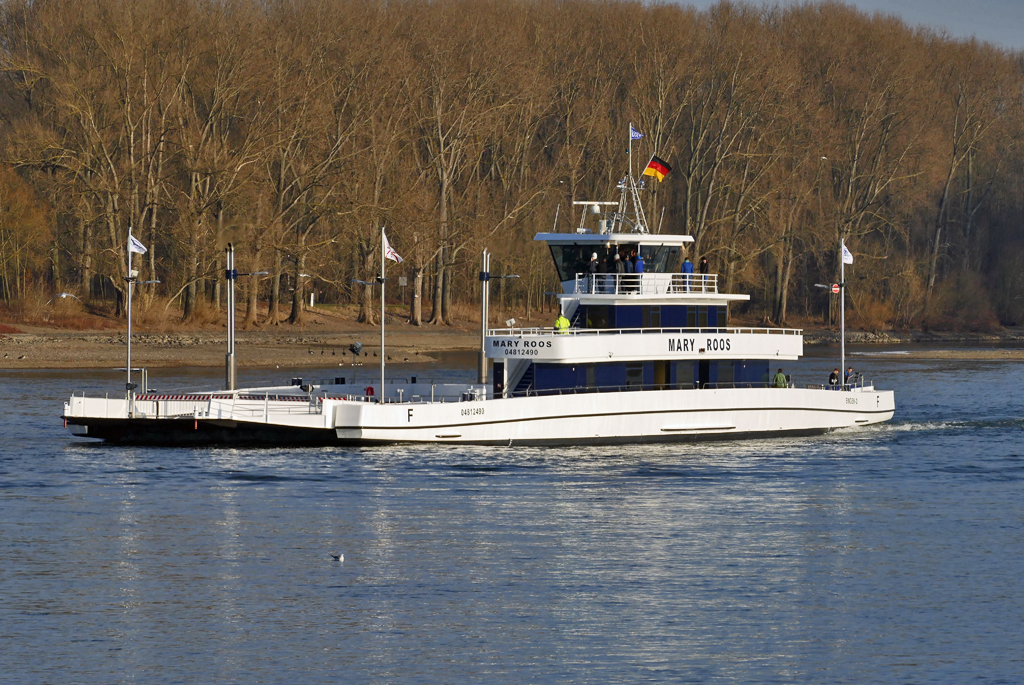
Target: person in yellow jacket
{"points": [[562, 324]]}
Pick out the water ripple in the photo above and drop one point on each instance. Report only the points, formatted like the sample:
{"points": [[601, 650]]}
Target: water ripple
{"points": [[881, 554]]}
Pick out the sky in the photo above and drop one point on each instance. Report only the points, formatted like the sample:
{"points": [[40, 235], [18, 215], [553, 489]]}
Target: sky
{"points": [[996, 21]]}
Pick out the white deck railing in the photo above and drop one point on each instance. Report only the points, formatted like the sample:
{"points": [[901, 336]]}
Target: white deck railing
{"points": [[550, 331], [645, 284]]}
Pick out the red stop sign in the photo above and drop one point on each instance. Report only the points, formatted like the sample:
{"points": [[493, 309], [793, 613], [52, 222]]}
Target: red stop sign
{"points": [[835, 288]]}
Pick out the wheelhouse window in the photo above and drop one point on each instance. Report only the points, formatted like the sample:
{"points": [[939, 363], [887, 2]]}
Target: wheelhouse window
{"points": [[573, 259], [660, 259]]}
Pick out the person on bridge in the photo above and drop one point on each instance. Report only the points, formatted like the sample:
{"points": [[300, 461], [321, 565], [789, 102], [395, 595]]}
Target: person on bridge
{"points": [[780, 380], [562, 324], [688, 273], [592, 269]]}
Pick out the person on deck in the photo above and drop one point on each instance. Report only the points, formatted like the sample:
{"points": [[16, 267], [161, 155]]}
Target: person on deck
{"points": [[562, 324], [780, 380], [702, 267], [833, 379], [687, 273], [849, 378], [638, 269], [592, 268]]}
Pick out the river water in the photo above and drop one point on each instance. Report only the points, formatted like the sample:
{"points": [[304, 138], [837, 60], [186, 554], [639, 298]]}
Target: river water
{"points": [[884, 554]]}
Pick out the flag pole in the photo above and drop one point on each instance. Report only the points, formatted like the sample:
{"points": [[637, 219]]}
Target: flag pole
{"points": [[128, 386], [842, 308], [630, 150], [382, 256]]}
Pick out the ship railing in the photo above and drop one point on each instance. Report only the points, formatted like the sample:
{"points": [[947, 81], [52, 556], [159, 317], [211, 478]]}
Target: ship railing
{"points": [[638, 387], [856, 382], [547, 331], [645, 284]]}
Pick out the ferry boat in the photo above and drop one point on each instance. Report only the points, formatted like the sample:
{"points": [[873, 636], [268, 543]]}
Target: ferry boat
{"points": [[647, 357]]}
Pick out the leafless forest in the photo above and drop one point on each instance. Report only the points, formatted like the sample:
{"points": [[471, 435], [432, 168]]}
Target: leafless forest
{"points": [[301, 126]]}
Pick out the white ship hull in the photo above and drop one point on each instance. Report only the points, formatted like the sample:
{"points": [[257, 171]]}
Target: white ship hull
{"points": [[608, 418], [569, 419]]}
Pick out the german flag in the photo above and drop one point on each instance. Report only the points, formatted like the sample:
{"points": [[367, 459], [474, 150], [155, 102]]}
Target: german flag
{"points": [[657, 168]]}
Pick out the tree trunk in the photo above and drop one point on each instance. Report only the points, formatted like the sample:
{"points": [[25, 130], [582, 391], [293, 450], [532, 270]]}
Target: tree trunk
{"points": [[252, 290], [87, 259], [787, 274], [367, 311], [55, 279], [933, 266], [191, 276], [273, 318], [446, 296], [189, 305], [216, 284], [416, 308], [435, 314], [296, 317]]}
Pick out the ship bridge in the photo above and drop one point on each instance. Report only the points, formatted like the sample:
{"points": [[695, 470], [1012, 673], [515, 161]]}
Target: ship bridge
{"points": [[572, 254]]}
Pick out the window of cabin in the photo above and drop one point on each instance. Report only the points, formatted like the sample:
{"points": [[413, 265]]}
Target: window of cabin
{"points": [[702, 317], [652, 317], [661, 375], [726, 374], [597, 317], [723, 317], [682, 373], [634, 375], [660, 258], [691, 317], [572, 260]]}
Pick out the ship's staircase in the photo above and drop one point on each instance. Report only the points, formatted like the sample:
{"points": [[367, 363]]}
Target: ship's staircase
{"points": [[525, 383]]}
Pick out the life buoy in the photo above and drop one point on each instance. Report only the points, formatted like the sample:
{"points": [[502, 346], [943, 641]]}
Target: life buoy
{"points": [[369, 391]]}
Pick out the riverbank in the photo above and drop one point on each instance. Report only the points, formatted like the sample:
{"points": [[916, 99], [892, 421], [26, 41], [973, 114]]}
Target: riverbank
{"points": [[254, 349], [56, 349], [1007, 336]]}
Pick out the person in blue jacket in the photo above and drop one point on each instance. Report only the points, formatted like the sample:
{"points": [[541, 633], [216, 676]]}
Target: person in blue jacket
{"points": [[688, 270]]}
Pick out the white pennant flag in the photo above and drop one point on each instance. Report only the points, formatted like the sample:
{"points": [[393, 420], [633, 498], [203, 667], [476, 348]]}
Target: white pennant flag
{"points": [[135, 246], [847, 255], [389, 252]]}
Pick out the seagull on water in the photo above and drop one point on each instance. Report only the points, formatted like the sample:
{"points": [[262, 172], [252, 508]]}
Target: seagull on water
{"points": [[338, 557]]}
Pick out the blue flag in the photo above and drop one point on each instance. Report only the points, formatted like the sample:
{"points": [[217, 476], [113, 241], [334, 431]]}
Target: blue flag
{"points": [[634, 134]]}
